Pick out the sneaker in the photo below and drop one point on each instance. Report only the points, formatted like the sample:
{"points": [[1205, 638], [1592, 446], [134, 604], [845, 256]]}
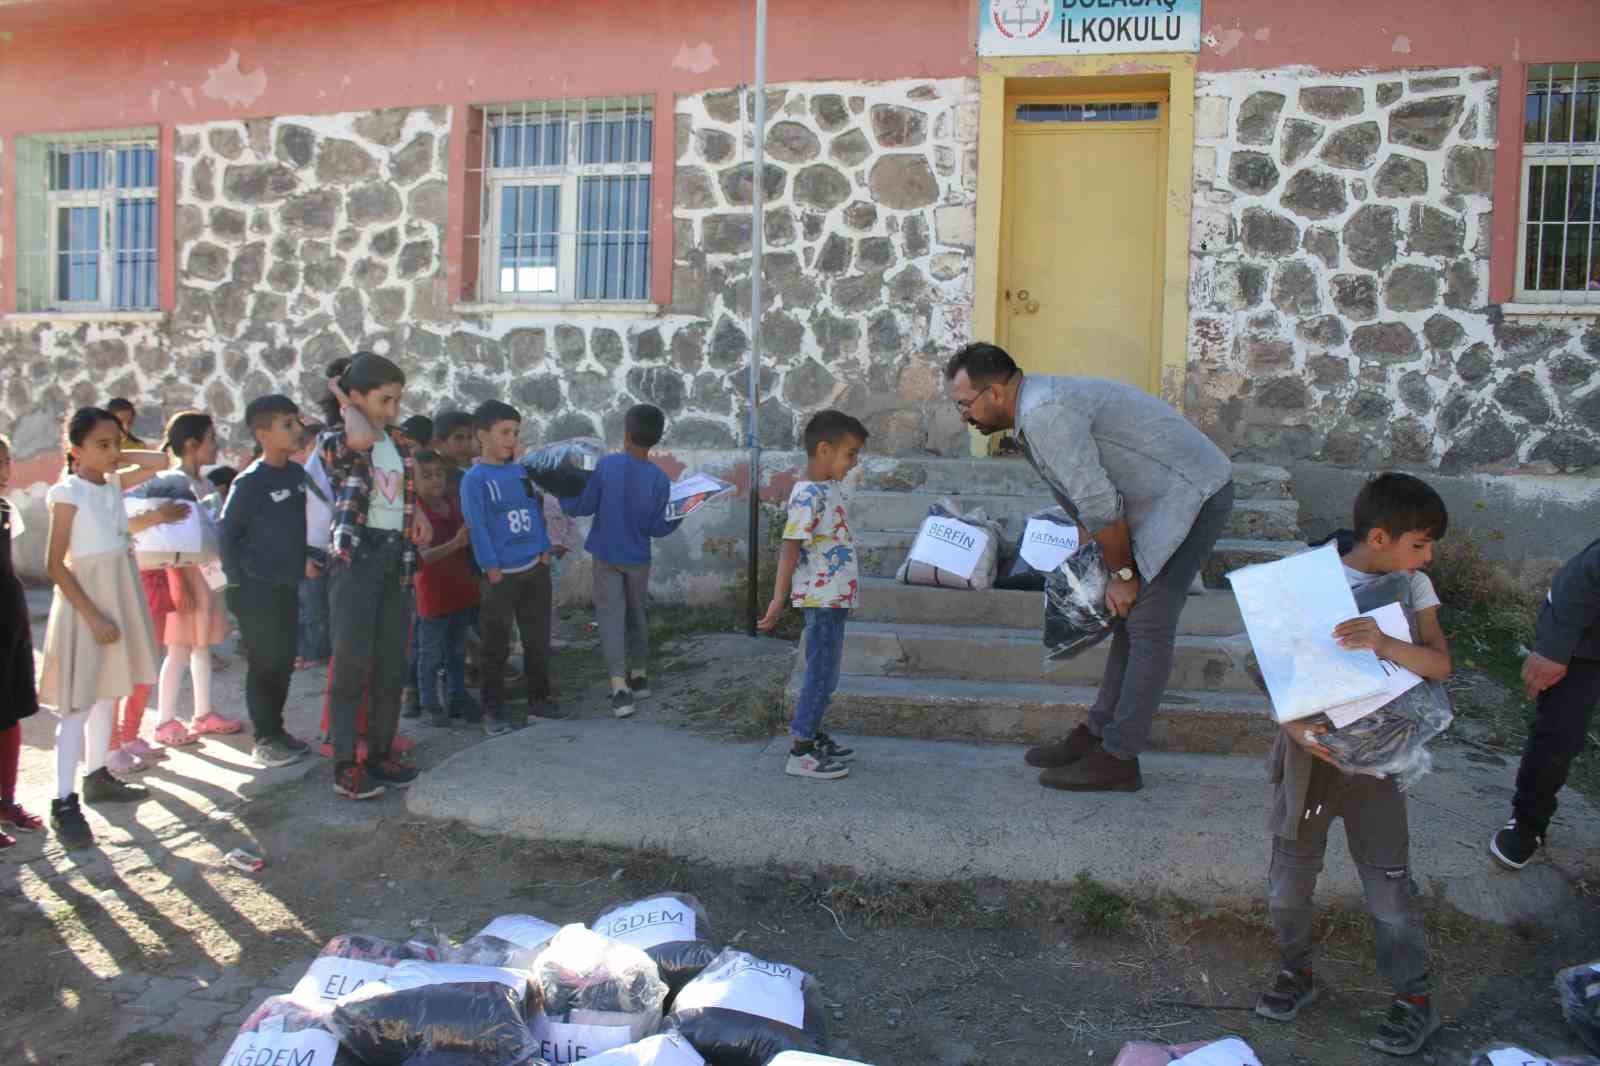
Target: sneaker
{"points": [[549, 710], [1064, 752], [1407, 1027], [274, 752], [143, 749], [14, 818], [392, 771], [175, 735], [218, 724], [351, 782], [494, 726], [829, 748], [1513, 847], [1289, 992], [410, 704], [814, 764], [639, 686], [69, 824], [101, 787], [293, 743], [1098, 771], [122, 762], [622, 704]]}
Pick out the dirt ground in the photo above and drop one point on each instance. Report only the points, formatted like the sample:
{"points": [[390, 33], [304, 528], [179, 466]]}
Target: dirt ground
{"points": [[150, 950]]}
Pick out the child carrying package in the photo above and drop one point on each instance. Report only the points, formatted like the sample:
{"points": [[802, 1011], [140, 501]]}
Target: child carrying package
{"points": [[953, 550], [189, 542]]}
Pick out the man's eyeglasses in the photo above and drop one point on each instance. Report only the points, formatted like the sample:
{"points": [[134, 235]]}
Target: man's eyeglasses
{"points": [[965, 406]]}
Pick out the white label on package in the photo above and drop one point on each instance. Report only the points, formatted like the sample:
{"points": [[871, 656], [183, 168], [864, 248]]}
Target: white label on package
{"points": [[949, 544], [663, 1049], [1229, 1052], [649, 922], [563, 1042], [411, 974], [185, 535], [329, 978], [1515, 1056], [806, 1058], [1391, 618], [1046, 544], [309, 1047], [523, 930], [745, 983]]}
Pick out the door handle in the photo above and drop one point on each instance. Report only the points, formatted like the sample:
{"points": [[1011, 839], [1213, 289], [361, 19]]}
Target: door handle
{"points": [[1025, 303]]}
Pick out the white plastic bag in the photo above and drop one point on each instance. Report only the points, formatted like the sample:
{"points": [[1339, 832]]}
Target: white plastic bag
{"points": [[806, 1058], [307, 1047], [744, 1011], [598, 994], [692, 492], [1228, 1052], [663, 1049], [953, 550]]}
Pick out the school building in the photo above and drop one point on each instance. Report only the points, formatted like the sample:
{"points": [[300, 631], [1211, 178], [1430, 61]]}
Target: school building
{"points": [[1338, 235]]}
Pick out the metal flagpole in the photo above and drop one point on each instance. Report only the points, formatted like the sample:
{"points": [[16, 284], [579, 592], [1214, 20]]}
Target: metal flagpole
{"points": [[757, 232]]}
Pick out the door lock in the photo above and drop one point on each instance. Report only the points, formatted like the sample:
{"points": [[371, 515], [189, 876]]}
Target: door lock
{"points": [[1025, 303]]}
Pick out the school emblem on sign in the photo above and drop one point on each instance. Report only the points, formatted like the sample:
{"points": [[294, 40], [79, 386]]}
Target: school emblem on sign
{"points": [[1021, 19]]}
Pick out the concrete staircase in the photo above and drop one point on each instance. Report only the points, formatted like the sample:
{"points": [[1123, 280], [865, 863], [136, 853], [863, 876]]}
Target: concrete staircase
{"points": [[946, 664]]}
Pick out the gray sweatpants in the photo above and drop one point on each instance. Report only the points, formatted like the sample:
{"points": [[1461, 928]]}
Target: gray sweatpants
{"points": [[1375, 828], [1142, 645], [621, 601]]}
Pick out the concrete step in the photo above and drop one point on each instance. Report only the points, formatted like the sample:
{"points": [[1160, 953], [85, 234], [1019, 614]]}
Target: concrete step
{"points": [[1212, 614], [1015, 477], [898, 649], [869, 511], [949, 709], [1231, 554]]}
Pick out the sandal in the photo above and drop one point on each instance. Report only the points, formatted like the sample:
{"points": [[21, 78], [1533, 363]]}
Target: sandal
{"points": [[175, 735], [217, 724]]}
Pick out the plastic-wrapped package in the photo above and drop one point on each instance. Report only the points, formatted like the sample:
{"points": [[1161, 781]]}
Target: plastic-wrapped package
{"points": [[597, 994], [1392, 741], [562, 469], [1141, 1053], [285, 1029], [437, 1013], [190, 542], [1578, 988], [693, 491], [953, 550], [1512, 1055], [523, 930], [492, 951], [1075, 613], [376, 949], [1047, 538], [663, 1049], [806, 1058], [744, 1011], [671, 928]]}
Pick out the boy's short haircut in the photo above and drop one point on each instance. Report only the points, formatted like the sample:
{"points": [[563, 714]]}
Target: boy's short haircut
{"points": [[119, 403], [491, 413], [222, 476], [419, 428], [644, 424], [263, 409], [448, 422], [427, 457], [832, 427], [1399, 504]]}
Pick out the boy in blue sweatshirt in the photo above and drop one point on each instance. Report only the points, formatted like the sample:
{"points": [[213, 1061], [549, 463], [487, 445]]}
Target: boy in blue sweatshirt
{"points": [[627, 494], [505, 515]]}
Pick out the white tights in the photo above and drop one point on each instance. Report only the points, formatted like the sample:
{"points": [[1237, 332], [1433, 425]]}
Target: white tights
{"points": [[84, 735], [199, 661]]}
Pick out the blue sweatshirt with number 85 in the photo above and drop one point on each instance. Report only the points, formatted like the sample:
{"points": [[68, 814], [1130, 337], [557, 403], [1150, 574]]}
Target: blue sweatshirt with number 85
{"points": [[505, 515]]}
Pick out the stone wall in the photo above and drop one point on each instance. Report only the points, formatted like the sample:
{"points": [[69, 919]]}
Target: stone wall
{"points": [[1338, 285]]}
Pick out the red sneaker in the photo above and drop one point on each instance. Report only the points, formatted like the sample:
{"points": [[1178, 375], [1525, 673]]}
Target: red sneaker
{"points": [[14, 818]]}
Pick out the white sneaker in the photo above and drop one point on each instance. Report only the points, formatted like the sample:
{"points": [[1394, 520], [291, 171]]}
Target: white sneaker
{"points": [[813, 765]]}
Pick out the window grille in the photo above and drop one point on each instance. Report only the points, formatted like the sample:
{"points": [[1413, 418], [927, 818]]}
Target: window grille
{"points": [[1559, 234]]}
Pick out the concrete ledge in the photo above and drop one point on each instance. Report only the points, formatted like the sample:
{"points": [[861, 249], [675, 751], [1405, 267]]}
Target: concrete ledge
{"points": [[1212, 614]]}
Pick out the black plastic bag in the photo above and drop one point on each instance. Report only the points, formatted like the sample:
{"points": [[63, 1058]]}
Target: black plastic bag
{"points": [[438, 1014], [1075, 613], [681, 961], [597, 994], [1578, 988], [744, 1011], [672, 928], [1016, 573], [562, 469], [1392, 741]]}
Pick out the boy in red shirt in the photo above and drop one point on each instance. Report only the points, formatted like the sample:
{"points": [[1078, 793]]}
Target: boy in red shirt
{"points": [[447, 595]]}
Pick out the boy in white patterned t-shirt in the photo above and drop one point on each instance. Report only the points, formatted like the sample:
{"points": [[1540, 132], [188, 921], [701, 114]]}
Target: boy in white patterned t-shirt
{"points": [[817, 573]]}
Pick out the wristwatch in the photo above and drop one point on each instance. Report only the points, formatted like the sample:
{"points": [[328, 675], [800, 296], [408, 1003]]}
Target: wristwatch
{"points": [[1125, 574]]}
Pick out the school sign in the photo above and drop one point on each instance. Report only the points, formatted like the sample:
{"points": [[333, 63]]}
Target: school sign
{"points": [[1066, 27]]}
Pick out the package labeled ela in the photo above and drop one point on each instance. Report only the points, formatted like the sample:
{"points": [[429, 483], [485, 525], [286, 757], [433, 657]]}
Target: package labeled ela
{"points": [[744, 1011], [672, 929], [597, 994]]}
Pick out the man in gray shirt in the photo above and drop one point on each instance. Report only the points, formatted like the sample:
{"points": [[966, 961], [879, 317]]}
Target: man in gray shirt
{"points": [[1152, 490]]}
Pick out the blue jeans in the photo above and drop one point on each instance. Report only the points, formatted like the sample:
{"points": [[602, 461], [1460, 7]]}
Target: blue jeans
{"points": [[442, 645], [314, 644], [824, 637]]}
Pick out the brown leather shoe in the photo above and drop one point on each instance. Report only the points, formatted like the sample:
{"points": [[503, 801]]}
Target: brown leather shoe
{"points": [[1098, 771], [1064, 752]]}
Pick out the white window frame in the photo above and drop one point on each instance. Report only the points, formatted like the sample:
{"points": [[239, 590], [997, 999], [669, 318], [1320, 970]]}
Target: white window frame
{"points": [[1544, 154], [565, 177], [107, 198]]}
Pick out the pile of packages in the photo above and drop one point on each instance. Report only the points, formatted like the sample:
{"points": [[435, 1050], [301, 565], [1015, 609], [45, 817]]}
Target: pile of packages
{"points": [[645, 985]]}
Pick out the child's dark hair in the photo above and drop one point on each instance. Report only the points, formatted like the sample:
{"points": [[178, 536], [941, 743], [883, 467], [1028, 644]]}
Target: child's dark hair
{"points": [[119, 403], [184, 428], [361, 372], [221, 476], [644, 423], [447, 422], [79, 424], [419, 428], [1399, 504], [492, 412], [260, 412], [832, 427], [427, 457]]}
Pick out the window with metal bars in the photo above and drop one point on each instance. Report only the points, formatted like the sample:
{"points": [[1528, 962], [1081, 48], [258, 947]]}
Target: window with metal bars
{"points": [[1559, 239], [87, 222], [564, 214]]}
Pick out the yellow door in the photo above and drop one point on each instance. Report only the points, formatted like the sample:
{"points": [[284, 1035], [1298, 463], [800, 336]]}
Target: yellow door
{"points": [[1082, 252]]}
